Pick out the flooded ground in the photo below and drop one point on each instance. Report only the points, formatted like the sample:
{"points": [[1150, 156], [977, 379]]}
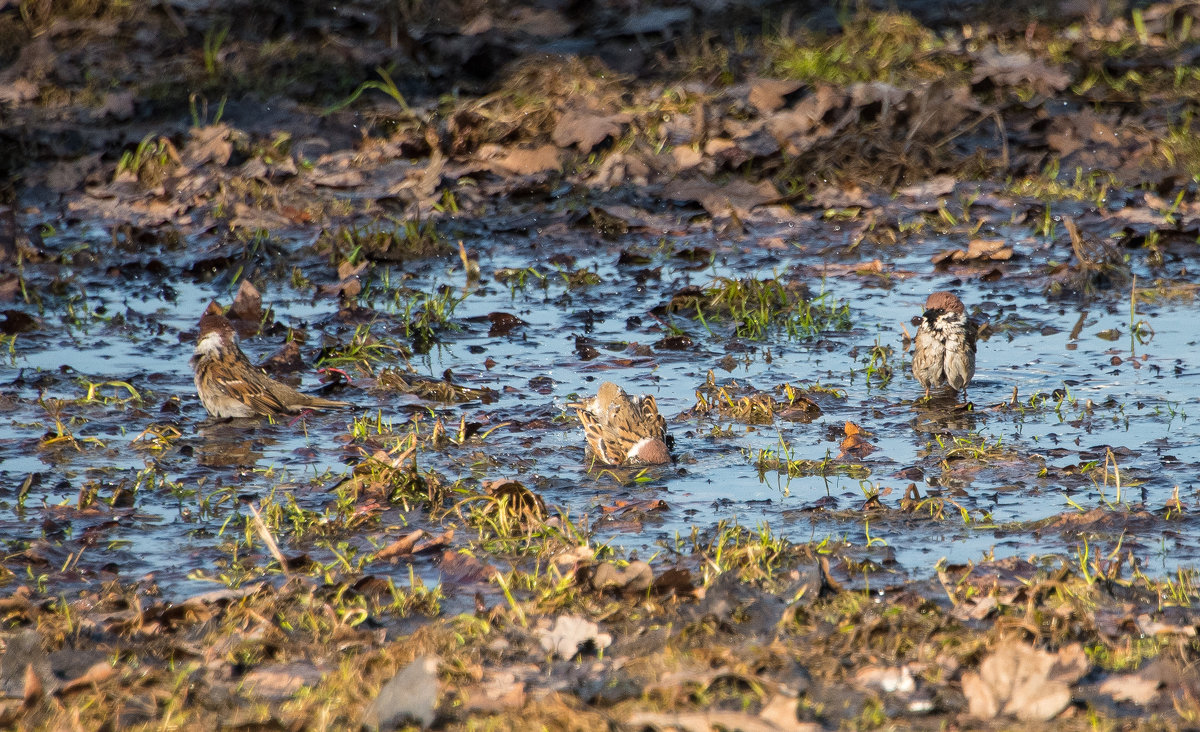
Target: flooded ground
{"points": [[1084, 384], [748, 243]]}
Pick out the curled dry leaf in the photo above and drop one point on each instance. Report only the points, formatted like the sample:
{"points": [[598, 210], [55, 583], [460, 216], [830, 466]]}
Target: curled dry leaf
{"points": [[979, 250], [247, 305], [635, 577], [854, 443], [401, 547], [1019, 680], [1015, 69], [522, 161], [1131, 688], [572, 635], [585, 130], [736, 197], [768, 95]]}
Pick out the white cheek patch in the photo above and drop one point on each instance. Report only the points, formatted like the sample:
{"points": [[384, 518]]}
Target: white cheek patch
{"points": [[209, 345], [949, 320]]}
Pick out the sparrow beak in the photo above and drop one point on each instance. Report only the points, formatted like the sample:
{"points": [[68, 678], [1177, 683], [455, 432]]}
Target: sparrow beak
{"points": [[932, 314]]}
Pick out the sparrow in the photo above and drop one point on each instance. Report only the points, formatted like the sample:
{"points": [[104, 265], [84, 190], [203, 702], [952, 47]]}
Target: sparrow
{"points": [[944, 349], [623, 430], [230, 386]]}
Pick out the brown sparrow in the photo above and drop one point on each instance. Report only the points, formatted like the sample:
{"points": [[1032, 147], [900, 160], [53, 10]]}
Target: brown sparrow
{"points": [[623, 430], [230, 386], [944, 349]]}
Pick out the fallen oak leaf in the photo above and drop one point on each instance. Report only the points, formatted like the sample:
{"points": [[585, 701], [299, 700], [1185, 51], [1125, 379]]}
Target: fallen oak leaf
{"points": [[855, 446], [978, 250], [636, 577], [403, 546], [1022, 681], [1131, 688], [522, 161], [464, 569], [585, 130]]}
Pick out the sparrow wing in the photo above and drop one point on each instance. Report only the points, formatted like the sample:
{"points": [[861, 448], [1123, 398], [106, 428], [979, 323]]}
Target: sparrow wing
{"points": [[263, 394], [290, 400], [655, 423], [972, 332], [593, 432], [628, 425]]}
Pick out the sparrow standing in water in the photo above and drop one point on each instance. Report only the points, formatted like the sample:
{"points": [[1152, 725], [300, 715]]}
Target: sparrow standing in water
{"points": [[944, 349], [623, 430], [230, 386]]}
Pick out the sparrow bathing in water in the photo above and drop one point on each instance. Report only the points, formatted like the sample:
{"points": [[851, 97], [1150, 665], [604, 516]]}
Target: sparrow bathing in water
{"points": [[944, 349], [623, 430], [230, 386]]}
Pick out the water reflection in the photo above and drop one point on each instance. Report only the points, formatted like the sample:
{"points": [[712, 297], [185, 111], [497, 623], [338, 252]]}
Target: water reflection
{"points": [[235, 443]]}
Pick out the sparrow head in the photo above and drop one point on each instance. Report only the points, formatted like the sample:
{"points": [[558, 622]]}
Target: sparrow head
{"points": [[944, 301], [941, 304], [216, 335]]}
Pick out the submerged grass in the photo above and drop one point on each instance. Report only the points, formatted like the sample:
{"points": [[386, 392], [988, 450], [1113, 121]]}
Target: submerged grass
{"points": [[759, 308], [385, 240]]}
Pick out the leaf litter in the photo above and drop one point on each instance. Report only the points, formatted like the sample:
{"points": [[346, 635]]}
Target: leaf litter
{"points": [[669, 193]]}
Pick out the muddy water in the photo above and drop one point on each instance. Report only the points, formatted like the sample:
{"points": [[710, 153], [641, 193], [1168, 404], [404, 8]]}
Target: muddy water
{"points": [[1077, 396]]}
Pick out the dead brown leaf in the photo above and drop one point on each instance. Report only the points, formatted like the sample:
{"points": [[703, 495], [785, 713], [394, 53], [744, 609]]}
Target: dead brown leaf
{"points": [[464, 569], [522, 161], [1019, 680], [278, 681], [97, 673], [708, 721], [341, 179], [767, 95], [1015, 69], [207, 145], [978, 250], [403, 546], [585, 130], [737, 197], [1131, 688], [637, 576], [247, 304]]}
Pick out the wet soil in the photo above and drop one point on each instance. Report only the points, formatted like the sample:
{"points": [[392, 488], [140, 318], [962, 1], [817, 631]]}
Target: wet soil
{"points": [[467, 221]]}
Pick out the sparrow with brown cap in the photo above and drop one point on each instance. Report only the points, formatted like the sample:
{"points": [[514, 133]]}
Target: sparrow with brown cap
{"points": [[944, 349]]}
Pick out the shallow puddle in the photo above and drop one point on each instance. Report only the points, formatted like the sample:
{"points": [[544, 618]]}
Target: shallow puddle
{"points": [[1083, 385]]}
